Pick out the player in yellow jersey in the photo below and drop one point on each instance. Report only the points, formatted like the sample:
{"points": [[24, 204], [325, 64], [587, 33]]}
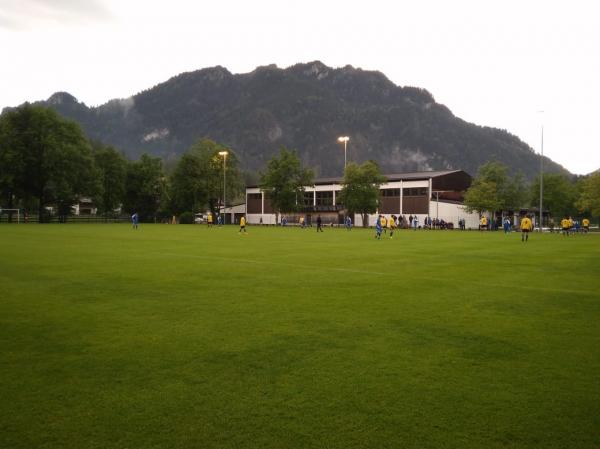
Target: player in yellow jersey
{"points": [[243, 224], [526, 228], [585, 224], [565, 226], [209, 220], [384, 224], [392, 225]]}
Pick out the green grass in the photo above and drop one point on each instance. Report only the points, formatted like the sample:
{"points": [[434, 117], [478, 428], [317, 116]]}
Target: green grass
{"points": [[188, 337]]}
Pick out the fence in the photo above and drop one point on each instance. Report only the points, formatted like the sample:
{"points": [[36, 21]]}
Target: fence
{"points": [[75, 219]]}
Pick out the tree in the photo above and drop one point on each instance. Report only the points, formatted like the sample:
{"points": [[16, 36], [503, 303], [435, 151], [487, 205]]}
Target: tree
{"points": [[111, 170], [51, 156], [558, 196], [360, 188], [12, 171], [589, 198], [284, 181], [145, 187], [187, 193], [515, 193], [482, 196], [493, 190], [197, 181]]}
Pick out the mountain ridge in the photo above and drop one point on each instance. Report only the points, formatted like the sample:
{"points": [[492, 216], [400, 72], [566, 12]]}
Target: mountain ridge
{"points": [[306, 107]]}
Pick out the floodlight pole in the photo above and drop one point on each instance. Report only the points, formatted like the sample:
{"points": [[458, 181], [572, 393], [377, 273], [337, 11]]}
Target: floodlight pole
{"points": [[541, 179], [224, 154], [224, 187], [344, 139]]}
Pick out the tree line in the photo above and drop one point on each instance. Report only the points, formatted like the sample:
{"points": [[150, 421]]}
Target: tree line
{"points": [[493, 190], [46, 160]]}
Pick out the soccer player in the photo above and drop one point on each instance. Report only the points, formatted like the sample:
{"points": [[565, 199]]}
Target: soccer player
{"points": [[571, 224], [392, 225], [243, 224], [585, 224], [483, 223], [348, 223], [219, 220], [319, 224], [565, 224], [383, 224], [526, 228], [209, 220], [134, 220], [378, 228], [506, 225]]}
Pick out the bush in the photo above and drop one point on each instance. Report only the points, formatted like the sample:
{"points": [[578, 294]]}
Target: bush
{"points": [[186, 218]]}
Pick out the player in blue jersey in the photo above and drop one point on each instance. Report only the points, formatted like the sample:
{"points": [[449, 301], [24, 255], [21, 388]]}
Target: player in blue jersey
{"points": [[378, 228]]}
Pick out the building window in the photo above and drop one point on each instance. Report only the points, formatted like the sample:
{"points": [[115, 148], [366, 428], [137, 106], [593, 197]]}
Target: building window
{"points": [[324, 198], [415, 191], [254, 196], [390, 192], [308, 198]]}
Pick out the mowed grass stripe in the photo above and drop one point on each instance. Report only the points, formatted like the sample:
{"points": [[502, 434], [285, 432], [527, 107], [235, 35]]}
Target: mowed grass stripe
{"points": [[183, 336]]}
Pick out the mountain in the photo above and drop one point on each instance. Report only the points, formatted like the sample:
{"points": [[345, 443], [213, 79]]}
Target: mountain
{"points": [[305, 107]]}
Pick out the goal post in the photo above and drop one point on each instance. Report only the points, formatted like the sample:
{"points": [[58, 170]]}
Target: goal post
{"points": [[11, 211]]}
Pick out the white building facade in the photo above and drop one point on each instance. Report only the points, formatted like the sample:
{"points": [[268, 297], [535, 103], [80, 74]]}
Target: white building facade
{"points": [[435, 194]]}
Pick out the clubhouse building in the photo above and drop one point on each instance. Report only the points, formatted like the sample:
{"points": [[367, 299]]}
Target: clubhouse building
{"points": [[435, 194]]}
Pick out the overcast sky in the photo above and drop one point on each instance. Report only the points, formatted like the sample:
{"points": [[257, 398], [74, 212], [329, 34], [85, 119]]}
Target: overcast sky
{"points": [[494, 63]]}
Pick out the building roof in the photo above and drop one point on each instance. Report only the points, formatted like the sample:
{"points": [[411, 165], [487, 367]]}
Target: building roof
{"points": [[390, 177]]}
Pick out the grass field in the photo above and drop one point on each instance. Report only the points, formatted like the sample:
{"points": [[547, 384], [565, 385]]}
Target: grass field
{"points": [[188, 337]]}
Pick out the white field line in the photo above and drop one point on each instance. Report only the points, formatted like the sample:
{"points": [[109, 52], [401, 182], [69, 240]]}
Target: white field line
{"points": [[207, 259]]}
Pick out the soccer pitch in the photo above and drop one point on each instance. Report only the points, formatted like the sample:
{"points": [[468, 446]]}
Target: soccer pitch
{"points": [[183, 336]]}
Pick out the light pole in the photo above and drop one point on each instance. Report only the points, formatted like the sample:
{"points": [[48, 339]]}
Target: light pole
{"points": [[541, 175], [344, 139], [224, 154]]}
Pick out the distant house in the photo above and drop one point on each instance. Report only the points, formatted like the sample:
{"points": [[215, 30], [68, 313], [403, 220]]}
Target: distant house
{"points": [[84, 206], [437, 194], [233, 213]]}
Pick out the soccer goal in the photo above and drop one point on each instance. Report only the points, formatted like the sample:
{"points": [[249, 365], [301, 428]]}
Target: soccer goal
{"points": [[8, 212]]}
